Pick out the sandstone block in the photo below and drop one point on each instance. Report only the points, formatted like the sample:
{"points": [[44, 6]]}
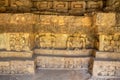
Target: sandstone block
{"points": [[4, 54], [43, 5], [77, 7], [63, 63], [21, 5], [106, 69], [60, 6], [112, 5], [108, 55], [102, 19], [84, 52], [22, 67], [62, 41], [94, 5], [4, 67], [109, 43]]}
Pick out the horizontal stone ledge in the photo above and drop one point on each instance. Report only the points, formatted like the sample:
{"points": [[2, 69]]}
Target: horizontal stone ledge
{"points": [[11, 54], [106, 69], [108, 55], [76, 63], [82, 52]]}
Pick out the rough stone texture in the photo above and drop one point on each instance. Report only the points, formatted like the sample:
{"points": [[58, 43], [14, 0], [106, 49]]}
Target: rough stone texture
{"points": [[109, 43], [87, 52], [63, 41], [106, 69], [17, 67], [63, 63], [112, 5], [50, 75], [108, 55], [4, 67], [69, 7], [102, 19], [22, 67], [94, 5], [4, 54]]}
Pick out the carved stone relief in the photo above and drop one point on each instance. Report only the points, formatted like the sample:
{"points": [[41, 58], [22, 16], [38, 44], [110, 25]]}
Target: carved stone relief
{"points": [[113, 5], [3, 5], [110, 43], [17, 67], [77, 41], [106, 69], [46, 41], [94, 5], [21, 5], [18, 42], [62, 62]]}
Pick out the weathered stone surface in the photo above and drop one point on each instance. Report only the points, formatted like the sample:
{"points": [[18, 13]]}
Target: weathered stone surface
{"points": [[83, 52], [94, 5], [109, 43], [18, 41], [4, 67], [73, 41], [20, 5], [112, 5], [64, 24], [63, 62], [22, 67], [11, 54], [17, 67], [77, 7], [106, 69], [22, 18], [102, 19], [108, 55], [3, 4]]}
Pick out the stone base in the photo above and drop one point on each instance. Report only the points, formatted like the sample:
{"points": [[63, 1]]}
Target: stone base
{"points": [[16, 54], [82, 52], [106, 69], [97, 78], [17, 67], [108, 55], [73, 63]]}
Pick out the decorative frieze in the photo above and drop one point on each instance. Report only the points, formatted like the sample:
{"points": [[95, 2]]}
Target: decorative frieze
{"points": [[17, 67], [20, 5], [112, 5], [106, 69], [64, 41], [62, 63], [109, 43]]}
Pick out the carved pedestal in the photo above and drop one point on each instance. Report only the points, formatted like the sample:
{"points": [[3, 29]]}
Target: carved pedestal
{"points": [[68, 63], [17, 67]]}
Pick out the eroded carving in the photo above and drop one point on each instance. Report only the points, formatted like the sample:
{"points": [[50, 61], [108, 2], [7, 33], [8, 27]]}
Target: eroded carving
{"points": [[106, 68], [77, 41], [45, 41], [62, 62], [21, 5], [111, 43], [18, 42]]}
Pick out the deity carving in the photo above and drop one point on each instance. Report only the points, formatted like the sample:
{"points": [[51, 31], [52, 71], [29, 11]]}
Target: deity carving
{"points": [[77, 42], [111, 43], [45, 41], [18, 42]]}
